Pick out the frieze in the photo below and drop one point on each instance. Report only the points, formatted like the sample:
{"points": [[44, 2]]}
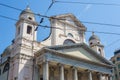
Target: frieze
{"points": [[76, 63]]}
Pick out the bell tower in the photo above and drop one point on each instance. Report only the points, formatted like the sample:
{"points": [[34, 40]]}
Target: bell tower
{"points": [[26, 32], [95, 44], [26, 25], [22, 64]]}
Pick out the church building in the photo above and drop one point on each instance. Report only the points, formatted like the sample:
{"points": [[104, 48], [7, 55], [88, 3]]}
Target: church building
{"points": [[64, 55]]}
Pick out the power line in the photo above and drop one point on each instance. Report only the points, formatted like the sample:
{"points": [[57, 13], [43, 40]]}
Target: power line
{"points": [[8, 18], [72, 2], [52, 3], [10, 7], [104, 32], [59, 18], [86, 31], [101, 23], [60, 28], [112, 43], [22, 10]]}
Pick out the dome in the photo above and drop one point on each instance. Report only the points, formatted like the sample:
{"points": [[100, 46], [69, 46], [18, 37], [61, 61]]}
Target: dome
{"points": [[7, 51], [27, 10], [94, 37]]}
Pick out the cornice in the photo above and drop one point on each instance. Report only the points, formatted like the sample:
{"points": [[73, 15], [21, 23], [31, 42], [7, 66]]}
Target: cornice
{"points": [[54, 52], [27, 21], [76, 58]]}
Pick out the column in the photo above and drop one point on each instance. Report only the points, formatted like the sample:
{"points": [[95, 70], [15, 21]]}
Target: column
{"points": [[75, 75], [45, 71], [110, 77], [89, 75], [100, 76], [61, 72], [52, 69]]}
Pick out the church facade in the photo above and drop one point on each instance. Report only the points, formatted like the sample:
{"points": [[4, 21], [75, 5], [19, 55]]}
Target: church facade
{"points": [[64, 55]]}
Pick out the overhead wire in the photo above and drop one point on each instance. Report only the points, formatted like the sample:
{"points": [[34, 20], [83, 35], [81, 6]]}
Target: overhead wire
{"points": [[58, 18], [45, 26], [52, 3], [73, 2], [112, 43], [8, 18]]}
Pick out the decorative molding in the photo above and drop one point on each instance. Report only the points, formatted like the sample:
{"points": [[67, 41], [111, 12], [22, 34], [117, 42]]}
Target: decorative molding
{"points": [[62, 35]]}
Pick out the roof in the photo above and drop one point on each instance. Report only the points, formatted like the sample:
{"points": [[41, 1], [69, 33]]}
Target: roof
{"points": [[94, 37], [27, 10], [55, 49], [63, 17], [7, 51]]}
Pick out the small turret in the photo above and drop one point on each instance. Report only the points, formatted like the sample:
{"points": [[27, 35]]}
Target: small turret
{"points": [[94, 43]]}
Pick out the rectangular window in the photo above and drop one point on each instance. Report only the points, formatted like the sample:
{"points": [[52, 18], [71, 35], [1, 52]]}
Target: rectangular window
{"points": [[18, 30], [29, 29], [118, 58]]}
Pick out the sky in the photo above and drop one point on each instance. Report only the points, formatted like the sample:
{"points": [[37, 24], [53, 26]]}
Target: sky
{"points": [[107, 14]]}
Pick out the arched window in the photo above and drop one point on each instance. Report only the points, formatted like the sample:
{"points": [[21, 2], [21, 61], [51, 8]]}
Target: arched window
{"points": [[68, 41], [99, 51], [29, 29], [70, 35], [29, 18], [6, 67], [91, 43]]}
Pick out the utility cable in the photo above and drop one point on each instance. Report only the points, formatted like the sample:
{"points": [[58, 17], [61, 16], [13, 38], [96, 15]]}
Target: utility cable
{"points": [[112, 43], [8, 18], [60, 28], [52, 3], [101, 23], [58, 18], [72, 2]]}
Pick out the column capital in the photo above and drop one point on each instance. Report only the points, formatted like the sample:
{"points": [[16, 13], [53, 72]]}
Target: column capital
{"points": [[73, 67], [110, 75], [99, 73], [52, 68], [59, 64], [88, 70], [89, 74]]}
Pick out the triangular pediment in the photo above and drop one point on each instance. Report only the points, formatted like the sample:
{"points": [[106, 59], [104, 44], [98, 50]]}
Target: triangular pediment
{"points": [[81, 51], [69, 19]]}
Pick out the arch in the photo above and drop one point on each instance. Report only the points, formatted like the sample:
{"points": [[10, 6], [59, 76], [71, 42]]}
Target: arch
{"points": [[68, 41], [30, 18], [70, 35], [99, 50], [6, 67], [91, 43]]}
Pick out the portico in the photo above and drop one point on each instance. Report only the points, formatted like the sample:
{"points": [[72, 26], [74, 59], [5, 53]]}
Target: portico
{"points": [[58, 66], [58, 71]]}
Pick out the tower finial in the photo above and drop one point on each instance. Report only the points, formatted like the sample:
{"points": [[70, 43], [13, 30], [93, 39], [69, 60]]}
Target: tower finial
{"points": [[92, 32], [28, 7]]}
